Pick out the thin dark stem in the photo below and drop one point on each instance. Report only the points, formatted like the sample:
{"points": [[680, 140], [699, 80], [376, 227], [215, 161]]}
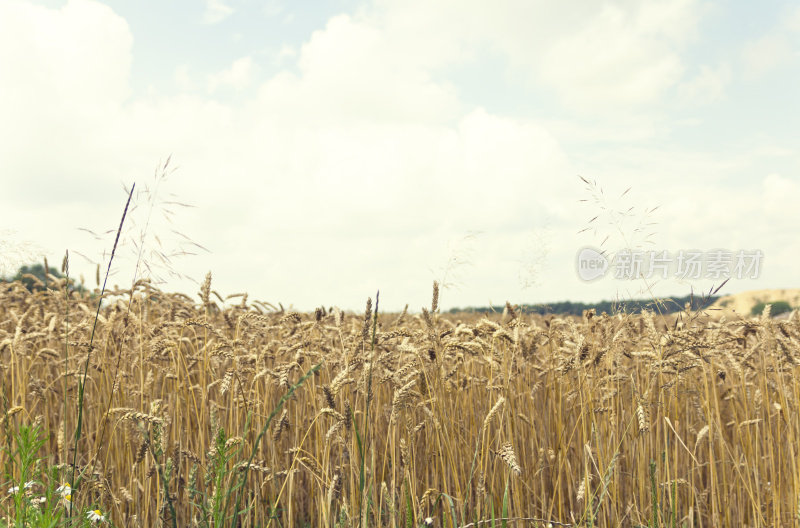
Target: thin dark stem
{"points": [[66, 359], [82, 383]]}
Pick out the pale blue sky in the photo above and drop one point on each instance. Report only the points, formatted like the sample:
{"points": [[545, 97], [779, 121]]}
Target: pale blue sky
{"points": [[334, 148]]}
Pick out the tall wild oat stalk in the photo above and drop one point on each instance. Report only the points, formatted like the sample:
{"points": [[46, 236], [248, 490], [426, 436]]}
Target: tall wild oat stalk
{"points": [[82, 382]]}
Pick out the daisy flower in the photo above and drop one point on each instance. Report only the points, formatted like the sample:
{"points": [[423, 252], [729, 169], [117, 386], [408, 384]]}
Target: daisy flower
{"points": [[95, 516], [13, 490], [64, 490], [66, 501]]}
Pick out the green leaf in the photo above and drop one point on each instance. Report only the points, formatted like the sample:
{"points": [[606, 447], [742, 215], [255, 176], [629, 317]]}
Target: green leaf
{"points": [[453, 519]]}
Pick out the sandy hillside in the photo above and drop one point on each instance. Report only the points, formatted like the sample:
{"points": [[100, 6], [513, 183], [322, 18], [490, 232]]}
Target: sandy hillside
{"points": [[739, 304]]}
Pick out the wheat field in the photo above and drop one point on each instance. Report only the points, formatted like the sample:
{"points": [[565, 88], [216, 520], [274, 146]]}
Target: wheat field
{"points": [[401, 419]]}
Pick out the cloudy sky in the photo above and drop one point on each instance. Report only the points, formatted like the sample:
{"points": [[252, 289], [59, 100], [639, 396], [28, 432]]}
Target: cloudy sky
{"points": [[331, 149]]}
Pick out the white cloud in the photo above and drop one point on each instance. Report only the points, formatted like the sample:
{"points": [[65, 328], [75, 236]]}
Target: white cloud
{"points": [[272, 8], [65, 74], [183, 79], [45, 54], [238, 76], [777, 48], [780, 197], [793, 20], [216, 11], [765, 54], [618, 57], [350, 70], [284, 54], [707, 86], [595, 57]]}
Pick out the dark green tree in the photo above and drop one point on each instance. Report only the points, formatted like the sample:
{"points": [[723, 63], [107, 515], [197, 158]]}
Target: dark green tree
{"points": [[33, 277], [778, 307]]}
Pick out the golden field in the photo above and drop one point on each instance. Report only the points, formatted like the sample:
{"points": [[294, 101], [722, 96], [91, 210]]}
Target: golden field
{"points": [[605, 420]]}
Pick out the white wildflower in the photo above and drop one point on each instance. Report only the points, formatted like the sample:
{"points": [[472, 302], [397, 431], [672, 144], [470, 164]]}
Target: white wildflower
{"points": [[13, 490], [64, 490]]}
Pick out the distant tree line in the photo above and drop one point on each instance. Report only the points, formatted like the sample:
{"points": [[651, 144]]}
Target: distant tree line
{"points": [[670, 305], [778, 307], [33, 277]]}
